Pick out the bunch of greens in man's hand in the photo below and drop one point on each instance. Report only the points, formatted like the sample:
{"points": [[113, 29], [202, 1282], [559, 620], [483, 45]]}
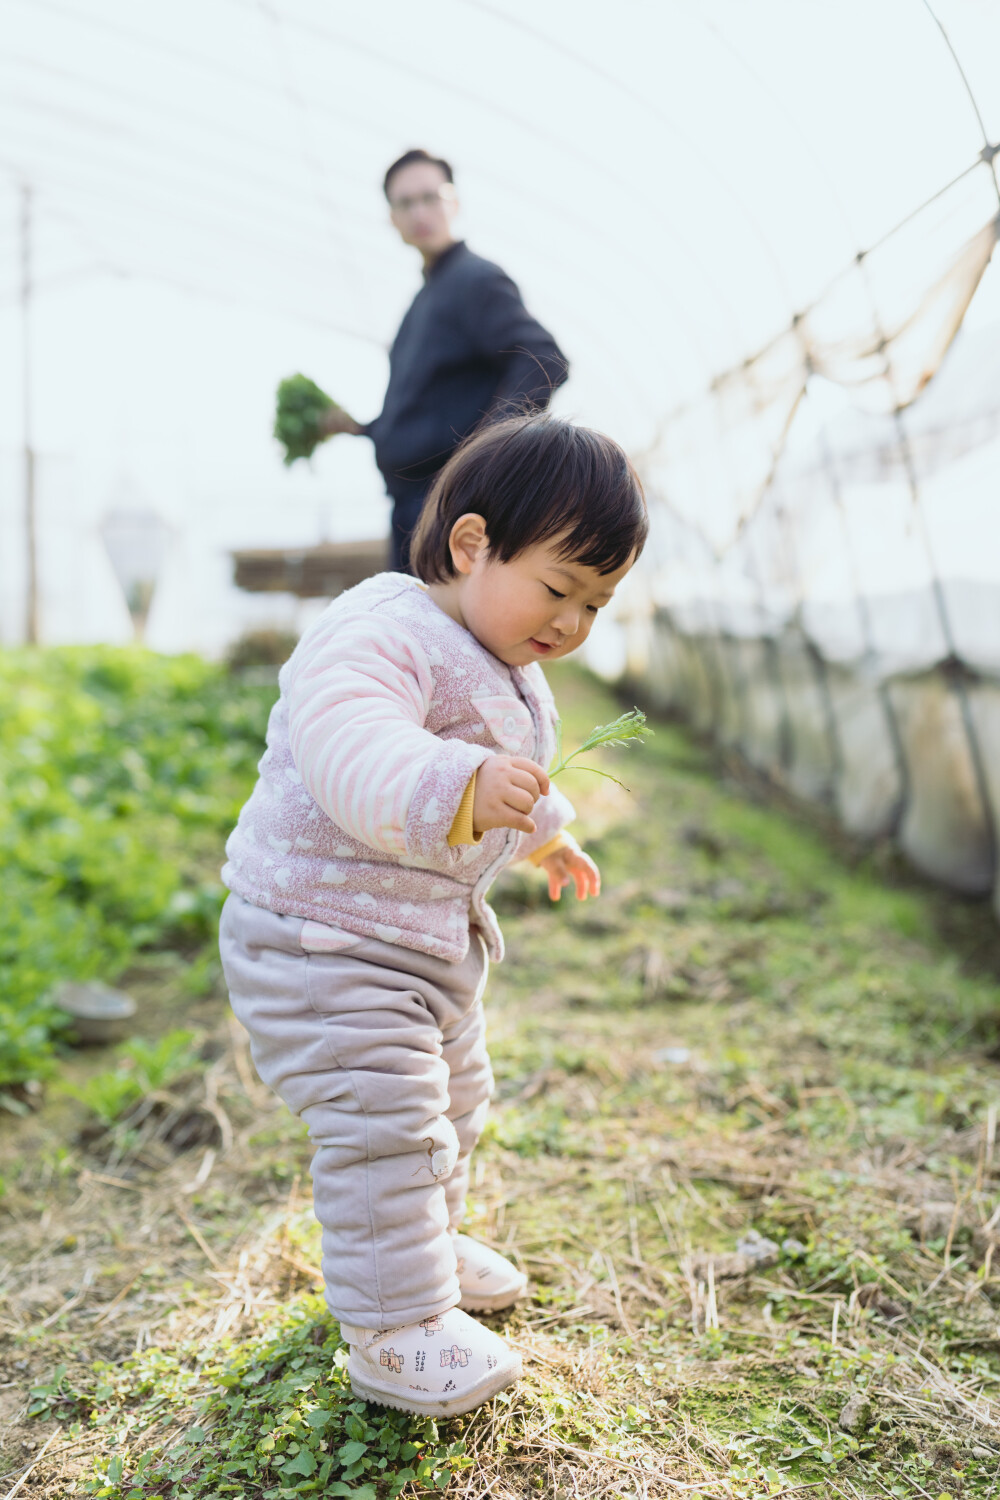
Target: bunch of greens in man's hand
{"points": [[298, 421], [621, 731]]}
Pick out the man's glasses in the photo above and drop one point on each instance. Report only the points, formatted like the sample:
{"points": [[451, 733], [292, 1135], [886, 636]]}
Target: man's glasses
{"points": [[423, 200]]}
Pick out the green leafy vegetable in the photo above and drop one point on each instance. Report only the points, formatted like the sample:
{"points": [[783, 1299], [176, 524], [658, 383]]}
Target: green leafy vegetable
{"points": [[621, 731], [301, 408]]}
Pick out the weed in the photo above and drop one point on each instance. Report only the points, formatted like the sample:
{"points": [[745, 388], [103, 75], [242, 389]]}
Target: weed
{"points": [[158, 1063], [143, 1068]]}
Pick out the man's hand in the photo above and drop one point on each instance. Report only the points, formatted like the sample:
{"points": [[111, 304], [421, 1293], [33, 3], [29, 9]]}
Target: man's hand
{"points": [[337, 420], [566, 866], [507, 788]]}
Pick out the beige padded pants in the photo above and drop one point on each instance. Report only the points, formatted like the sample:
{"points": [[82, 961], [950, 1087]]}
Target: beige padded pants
{"points": [[382, 1052]]}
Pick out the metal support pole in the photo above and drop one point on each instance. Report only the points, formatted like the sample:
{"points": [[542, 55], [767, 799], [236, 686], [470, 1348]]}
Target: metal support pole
{"points": [[30, 531]]}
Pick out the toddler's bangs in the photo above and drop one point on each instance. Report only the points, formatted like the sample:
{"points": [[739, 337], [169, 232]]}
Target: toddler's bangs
{"points": [[605, 541], [534, 480]]}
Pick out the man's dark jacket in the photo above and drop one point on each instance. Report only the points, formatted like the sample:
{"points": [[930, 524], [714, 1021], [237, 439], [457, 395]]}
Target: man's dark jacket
{"points": [[467, 346]]}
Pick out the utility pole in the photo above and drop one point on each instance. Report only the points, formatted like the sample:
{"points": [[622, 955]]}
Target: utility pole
{"points": [[30, 531]]}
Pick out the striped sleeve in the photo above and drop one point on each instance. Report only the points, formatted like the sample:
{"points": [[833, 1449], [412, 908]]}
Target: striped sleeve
{"points": [[357, 702]]}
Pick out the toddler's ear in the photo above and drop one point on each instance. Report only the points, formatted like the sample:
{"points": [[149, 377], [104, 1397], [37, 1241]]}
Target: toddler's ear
{"points": [[467, 541]]}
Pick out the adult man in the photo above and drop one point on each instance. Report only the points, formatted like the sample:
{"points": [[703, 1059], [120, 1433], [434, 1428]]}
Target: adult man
{"points": [[467, 346]]}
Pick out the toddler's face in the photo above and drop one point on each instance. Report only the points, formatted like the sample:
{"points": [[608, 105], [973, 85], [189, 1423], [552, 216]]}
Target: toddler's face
{"points": [[537, 607]]}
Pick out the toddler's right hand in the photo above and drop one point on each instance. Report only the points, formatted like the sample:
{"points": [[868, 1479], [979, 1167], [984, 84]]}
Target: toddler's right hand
{"points": [[507, 788]]}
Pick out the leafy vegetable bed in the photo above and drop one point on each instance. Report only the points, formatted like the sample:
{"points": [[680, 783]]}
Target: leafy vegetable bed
{"points": [[120, 774]]}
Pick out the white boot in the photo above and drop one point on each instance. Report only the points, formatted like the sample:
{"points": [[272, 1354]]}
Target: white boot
{"points": [[488, 1281], [441, 1367]]}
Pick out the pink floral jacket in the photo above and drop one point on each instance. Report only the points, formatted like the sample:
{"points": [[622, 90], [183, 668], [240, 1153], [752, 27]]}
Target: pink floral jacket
{"points": [[387, 706]]}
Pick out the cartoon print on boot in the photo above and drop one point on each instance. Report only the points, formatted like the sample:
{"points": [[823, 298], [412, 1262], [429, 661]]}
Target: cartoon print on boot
{"points": [[390, 1360], [454, 1358], [431, 1325]]}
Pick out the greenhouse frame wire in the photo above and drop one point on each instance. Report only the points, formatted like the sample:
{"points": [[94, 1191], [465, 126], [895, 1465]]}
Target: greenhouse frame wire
{"points": [[720, 654]]}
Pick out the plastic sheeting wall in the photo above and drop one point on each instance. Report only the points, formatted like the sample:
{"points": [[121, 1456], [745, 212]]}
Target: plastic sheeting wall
{"points": [[822, 586], [890, 754]]}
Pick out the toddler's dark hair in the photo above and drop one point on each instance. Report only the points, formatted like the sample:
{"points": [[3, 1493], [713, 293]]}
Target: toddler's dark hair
{"points": [[533, 479]]}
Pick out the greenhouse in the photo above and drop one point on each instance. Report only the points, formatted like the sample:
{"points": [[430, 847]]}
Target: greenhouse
{"points": [[740, 1160]]}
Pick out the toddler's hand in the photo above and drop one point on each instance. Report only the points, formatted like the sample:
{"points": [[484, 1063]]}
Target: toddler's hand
{"points": [[564, 866], [507, 788]]}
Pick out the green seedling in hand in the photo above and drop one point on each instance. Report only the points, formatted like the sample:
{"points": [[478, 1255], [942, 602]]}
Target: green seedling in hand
{"points": [[297, 421], [624, 729]]}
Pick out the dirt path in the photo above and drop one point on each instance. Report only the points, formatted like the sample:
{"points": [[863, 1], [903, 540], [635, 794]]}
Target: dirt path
{"points": [[744, 1144]]}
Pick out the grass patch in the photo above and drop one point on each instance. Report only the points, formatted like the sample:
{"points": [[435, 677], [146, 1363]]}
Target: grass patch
{"points": [[744, 1142]]}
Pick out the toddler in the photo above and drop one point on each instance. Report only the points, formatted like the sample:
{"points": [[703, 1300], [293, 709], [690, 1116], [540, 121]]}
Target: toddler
{"points": [[404, 769]]}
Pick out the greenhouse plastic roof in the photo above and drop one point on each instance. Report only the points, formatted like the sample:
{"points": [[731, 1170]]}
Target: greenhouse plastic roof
{"points": [[673, 186]]}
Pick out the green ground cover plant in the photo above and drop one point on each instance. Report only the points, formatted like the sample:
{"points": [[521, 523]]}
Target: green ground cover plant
{"points": [[744, 1142], [283, 1400], [120, 773]]}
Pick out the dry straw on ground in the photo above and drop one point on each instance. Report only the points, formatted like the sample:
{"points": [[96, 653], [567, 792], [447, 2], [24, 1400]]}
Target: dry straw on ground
{"points": [[743, 1036]]}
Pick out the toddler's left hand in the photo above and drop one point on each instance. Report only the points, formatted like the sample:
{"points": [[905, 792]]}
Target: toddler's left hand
{"points": [[566, 866]]}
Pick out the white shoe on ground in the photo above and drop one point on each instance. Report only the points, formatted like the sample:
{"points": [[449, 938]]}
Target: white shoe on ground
{"points": [[441, 1367], [488, 1281]]}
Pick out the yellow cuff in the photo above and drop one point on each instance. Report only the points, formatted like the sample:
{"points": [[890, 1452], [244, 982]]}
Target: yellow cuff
{"points": [[462, 831], [561, 841]]}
